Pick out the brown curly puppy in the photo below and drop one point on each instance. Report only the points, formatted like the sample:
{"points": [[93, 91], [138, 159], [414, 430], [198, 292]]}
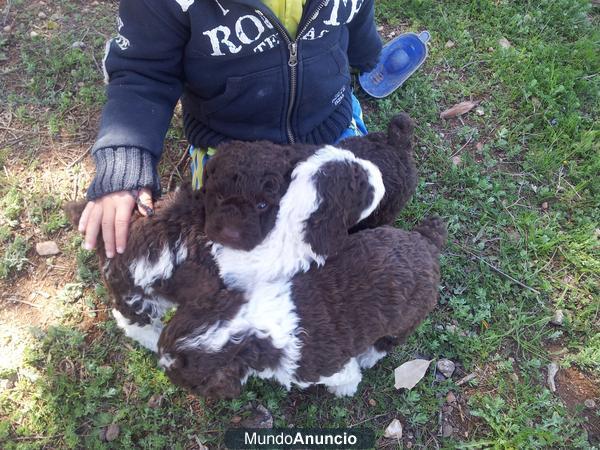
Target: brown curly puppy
{"points": [[272, 210], [320, 327], [164, 254]]}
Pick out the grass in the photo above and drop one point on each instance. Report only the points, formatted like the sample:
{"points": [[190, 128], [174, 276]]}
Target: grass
{"points": [[518, 186]]}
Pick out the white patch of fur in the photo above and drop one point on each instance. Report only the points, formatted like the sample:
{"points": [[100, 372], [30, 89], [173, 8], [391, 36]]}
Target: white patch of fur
{"points": [[376, 181], [156, 305], [369, 358], [181, 252], [268, 313], [284, 252], [145, 273], [146, 335], [345, 382], [166, 360]]}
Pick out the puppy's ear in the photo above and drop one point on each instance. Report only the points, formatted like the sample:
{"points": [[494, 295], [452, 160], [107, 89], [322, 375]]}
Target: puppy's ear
{"points": [[271, 184], [344, 193], [209, 169], [73, 211]]}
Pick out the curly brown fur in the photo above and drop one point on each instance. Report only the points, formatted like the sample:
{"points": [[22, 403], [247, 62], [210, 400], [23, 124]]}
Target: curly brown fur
{"points": [[245, 181], [392, 153], [366, 299], [178, 227], [243, 184]]}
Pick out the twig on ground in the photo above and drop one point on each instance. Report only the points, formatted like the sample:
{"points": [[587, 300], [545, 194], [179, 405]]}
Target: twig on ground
{"points": [[80, 157], [496, 269], [368, 419], [176, 169], [466, 379], [16, 300], [7, 12], [31, 438]]}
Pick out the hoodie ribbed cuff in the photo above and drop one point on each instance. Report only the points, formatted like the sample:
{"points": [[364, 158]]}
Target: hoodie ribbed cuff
{"points": [[123, 169]]}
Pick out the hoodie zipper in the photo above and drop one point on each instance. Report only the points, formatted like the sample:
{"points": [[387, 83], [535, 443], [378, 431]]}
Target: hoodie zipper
{"points": [[293, 63]]}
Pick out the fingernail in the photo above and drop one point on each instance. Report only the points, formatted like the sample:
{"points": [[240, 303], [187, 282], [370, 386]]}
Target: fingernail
{"points": [[87, 246], [109, 255], [120, 250]]}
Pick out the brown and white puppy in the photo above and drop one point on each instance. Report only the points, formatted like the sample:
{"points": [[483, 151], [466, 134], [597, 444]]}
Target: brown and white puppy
{"points": [[272, 210], [166, 262], [320, 327]]}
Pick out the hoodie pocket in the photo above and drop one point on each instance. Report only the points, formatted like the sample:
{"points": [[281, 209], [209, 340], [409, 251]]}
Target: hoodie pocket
{"points": [[250, 107], [325, 85]]}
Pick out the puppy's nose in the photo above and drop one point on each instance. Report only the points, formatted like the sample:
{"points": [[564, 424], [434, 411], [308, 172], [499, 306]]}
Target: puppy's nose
{"points": [[230, 233]]}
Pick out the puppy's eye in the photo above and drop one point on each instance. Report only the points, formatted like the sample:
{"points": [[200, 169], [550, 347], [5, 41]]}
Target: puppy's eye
{"points": [[261, 206]]}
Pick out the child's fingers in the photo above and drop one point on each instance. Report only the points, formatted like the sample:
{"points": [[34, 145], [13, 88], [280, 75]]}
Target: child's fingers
{"points": [[83, 220], [92, 227], [122, 226], [144, 201], [108, 230]]}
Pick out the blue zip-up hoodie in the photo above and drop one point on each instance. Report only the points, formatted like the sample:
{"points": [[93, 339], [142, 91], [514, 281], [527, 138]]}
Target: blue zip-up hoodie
{"points": [[240, 73]]}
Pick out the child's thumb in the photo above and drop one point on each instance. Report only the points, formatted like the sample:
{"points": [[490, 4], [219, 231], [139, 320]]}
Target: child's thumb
{"points": [[144, 202]]}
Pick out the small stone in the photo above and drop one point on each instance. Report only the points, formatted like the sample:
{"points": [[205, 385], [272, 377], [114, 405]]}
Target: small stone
{"points": [[112, 432], [34, 34], [447, 430], [394, 430], [552, 371], [156, 401], [259, 418], [409, 444], [504, 43], [456, 160], [47, 248], [380, 28], [479, 146], [490, 49], [446, 367], [590, 403], [235, 420], [42, 15], [78, 44], [449, 44], [480, 112], [450, 397], [372, 402], [514, 377], [545, 206], [391, 34], [558, 318], [7, 29]]}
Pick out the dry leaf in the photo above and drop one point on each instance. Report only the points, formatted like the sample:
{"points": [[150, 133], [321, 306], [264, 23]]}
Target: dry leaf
{"points": [[459, 109], [504, 43], [394, 430], [112, 432], [552, 371], [410, 373]]}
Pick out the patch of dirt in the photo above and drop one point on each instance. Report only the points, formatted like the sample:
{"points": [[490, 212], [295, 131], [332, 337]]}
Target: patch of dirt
{"points": [[574, 388], [29, 302], [456, 418]]}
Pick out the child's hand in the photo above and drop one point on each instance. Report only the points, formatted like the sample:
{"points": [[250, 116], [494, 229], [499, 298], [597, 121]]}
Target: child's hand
{"points": [[111, 212]]}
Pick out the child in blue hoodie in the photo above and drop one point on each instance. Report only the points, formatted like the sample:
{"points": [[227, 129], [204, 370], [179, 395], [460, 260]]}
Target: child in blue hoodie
{"points": [[277, 70]]}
